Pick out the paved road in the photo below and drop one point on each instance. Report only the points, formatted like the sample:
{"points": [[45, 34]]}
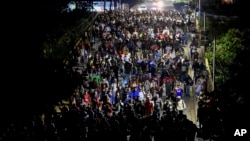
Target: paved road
{"points": [[190, 101]]}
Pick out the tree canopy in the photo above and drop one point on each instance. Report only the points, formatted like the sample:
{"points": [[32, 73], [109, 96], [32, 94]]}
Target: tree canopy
{"points": [[226, 49], [232, 75]]}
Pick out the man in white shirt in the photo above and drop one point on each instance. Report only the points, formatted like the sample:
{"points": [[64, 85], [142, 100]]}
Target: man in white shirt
{"points": [[180, 104]]}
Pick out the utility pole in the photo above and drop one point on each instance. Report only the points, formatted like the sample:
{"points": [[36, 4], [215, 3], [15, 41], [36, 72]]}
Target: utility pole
{"points": [[204, 24], [214, 49], [199, 12]]}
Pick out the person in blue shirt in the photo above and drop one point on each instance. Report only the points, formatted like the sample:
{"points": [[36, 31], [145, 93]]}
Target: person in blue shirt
{"points": [[135, 93], [111, 95], [127, 99], [130, 92], [158, 55], [178, 91]]}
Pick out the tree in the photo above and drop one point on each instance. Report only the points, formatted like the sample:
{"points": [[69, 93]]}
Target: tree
{"points": [[234, 92], [232, 64], [227, 48]]}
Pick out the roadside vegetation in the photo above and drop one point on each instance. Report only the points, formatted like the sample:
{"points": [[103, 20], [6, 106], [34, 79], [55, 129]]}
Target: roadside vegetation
{"points": [[231, 63]]}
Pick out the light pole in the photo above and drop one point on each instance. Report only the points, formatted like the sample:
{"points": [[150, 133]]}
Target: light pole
{"points": [[204, 21], [214, 49], [199, 11]]}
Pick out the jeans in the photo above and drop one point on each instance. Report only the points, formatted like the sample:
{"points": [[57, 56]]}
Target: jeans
{"points": [[127, 77], [187, 89]]}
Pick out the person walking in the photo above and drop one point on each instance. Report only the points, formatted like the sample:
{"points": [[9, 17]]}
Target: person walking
{"points": [[180, 104], [188, 82]]}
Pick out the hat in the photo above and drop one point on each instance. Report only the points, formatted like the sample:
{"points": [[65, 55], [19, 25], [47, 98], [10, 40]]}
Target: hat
{"points": [[178, 97]]}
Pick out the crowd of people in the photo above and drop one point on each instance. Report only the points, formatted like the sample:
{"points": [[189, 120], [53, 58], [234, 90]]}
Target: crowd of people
{"points": [[131, 75]]}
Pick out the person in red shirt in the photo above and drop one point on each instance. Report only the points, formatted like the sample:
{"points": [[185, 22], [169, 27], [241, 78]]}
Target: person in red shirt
{"points": [[86, 99], [149, 107]]}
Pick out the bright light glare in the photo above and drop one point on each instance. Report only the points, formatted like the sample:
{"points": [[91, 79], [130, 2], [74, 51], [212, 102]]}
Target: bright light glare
{"points": [[160, 4]]}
